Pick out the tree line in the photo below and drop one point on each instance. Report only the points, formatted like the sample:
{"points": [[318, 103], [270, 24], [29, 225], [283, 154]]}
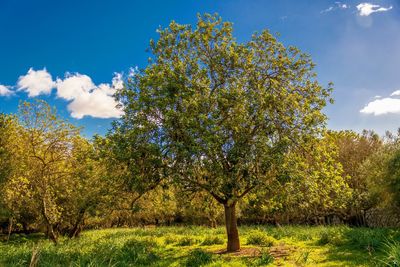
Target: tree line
{"points": [[214, 131]]}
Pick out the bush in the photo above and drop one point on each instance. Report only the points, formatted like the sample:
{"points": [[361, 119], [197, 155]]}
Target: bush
{"points": [[324, 238], [198, 257], [259, 238], [330, 237], [212, 240]]}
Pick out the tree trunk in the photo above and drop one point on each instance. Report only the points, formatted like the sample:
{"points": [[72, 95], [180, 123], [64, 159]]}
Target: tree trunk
{"points": [[231, 228], [75, 231], [10, 226], [51, 233], [50, 229]]}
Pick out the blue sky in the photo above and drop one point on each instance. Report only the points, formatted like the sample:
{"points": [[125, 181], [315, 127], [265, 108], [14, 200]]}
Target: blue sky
{"points": [[71, 53]]}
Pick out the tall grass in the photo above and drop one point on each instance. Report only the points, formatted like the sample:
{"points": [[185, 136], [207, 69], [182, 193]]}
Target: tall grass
{"points": [[392, 253], [195, 246]]}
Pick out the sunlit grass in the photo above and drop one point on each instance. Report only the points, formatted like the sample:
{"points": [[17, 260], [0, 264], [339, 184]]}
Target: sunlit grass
{"points": [[197, 246]]}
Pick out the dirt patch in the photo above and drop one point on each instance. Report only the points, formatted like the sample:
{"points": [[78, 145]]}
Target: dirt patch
{"points": [[279, 251], [244, 252]]}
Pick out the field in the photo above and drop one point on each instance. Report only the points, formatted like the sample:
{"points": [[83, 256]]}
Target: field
{"points": [[201, 246]]}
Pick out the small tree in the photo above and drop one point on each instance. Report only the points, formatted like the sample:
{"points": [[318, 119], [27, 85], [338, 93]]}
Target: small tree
{"points": [[221, 114], [44, 151], [309, 186], [93, 187], [8, 163], [354, 150]]}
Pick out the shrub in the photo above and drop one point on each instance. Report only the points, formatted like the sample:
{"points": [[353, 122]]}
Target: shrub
{"points": [[330, 237], [324, 238], [259, 238], [212, 240], [198, 257]]}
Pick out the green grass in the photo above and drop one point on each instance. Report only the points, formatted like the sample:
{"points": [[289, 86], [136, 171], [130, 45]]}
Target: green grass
{"points": [[197, 246]]}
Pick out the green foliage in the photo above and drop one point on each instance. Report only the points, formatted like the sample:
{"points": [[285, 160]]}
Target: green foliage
{"points": [[170, 239], [214, 114], [381, 173], [212, 240], [187, 241], [265, 259], [330, 236], [366, 239], [137, 253], [145, 247], [260, 238], [198, 257], [44, 163], [304, 258], [393, 179], [392, 253], [209, 121]]}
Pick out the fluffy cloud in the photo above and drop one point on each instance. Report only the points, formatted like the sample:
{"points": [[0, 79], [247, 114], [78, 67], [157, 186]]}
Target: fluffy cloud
{"points": [[85, 98], [366, 9], [338, 5], [383, 106], [36, 82], [395, 93], [88, 99], [5, 90]]}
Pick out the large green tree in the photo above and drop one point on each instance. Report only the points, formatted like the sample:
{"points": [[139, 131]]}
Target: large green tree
{"points": [[219, 114]]}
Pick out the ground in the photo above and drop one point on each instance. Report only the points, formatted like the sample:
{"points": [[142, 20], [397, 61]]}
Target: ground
{"points": [[202, 246]]}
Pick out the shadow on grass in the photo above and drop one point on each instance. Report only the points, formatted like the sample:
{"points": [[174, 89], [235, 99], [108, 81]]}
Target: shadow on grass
{"points": [[359, 246]]}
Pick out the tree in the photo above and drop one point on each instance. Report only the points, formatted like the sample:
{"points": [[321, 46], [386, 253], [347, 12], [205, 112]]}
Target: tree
{"points": [[309, 187], [7, 133], [380, 172], [220, 115], [8, 137], [93, 187], [44, 162], [354, 150]]}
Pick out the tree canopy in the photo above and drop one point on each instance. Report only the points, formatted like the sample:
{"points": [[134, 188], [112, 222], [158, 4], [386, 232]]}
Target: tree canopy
{"points": [[219, 113]]}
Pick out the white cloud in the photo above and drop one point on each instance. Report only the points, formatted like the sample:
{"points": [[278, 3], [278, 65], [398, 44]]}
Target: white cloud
{"points": [[383, 106], [338, 5], [5, 90], [366, 9], [88, 99], [85, 98], [329, 9], [36, 82], [395, 93]]}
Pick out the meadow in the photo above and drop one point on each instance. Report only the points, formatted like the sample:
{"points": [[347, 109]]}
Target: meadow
{"points": [[202, 246]]}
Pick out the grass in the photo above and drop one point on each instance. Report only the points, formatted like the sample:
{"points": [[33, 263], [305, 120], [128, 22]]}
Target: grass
{"points": [[197, 246]]}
